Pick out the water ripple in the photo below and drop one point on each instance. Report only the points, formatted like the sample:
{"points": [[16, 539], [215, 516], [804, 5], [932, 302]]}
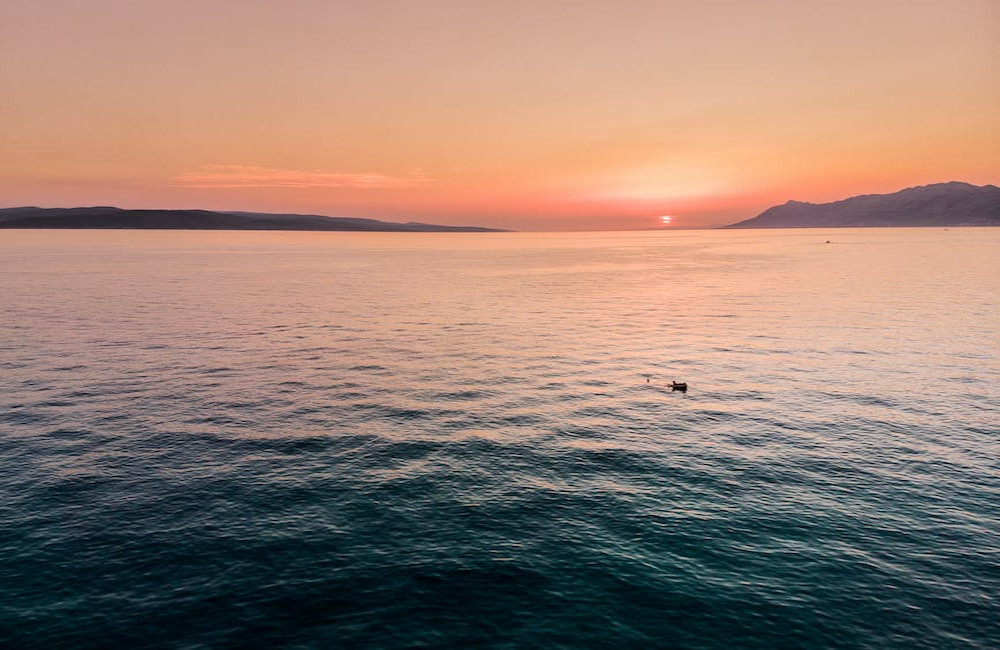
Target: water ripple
{"points": [[389, 443]]}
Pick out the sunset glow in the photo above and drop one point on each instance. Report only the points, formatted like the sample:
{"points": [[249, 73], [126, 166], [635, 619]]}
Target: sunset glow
{"points": [[541, 116]]}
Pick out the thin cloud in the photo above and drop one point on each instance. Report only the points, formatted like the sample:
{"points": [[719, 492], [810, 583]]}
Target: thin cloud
{"points": [[236, 176]]}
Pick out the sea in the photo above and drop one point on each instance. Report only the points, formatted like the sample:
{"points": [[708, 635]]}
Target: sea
{"points": [[470, 440]]}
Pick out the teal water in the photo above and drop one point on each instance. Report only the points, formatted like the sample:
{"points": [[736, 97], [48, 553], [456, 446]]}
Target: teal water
{"points": [[320, 440]]}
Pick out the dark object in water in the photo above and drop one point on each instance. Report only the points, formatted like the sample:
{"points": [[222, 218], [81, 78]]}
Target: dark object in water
{"points": [[679, 385]]}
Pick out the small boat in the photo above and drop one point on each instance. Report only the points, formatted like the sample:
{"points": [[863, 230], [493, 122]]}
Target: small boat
{"points": [[679, 385]]}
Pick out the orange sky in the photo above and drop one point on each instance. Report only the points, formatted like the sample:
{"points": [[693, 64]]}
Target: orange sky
{"points": [[532, 115]]}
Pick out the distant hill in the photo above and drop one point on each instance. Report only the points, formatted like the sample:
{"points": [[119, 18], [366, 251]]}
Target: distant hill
{"points": [[104, 217], [941, 204]]}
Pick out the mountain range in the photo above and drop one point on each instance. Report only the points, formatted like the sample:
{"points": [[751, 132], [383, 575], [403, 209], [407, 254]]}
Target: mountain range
{"points": [[118, 218], [940, 204]]}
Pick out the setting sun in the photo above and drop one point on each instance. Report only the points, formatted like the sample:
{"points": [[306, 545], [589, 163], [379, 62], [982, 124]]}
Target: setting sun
{"points": [[529, 116], [337, 323]]}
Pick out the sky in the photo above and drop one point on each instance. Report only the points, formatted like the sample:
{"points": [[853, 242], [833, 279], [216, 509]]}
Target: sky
{"points": [[528, 115]]}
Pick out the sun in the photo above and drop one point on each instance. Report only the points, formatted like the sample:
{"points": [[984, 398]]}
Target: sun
{"points": [[666, 221]]}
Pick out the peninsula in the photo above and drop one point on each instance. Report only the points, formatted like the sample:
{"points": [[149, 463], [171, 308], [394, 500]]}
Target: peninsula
{"points": [[117, 218], [941, 204]]}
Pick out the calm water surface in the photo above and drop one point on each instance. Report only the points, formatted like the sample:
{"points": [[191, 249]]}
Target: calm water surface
{"points": [[319, 440]]}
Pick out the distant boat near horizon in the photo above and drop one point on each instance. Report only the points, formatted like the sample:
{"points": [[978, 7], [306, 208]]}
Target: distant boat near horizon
{"points": [[334, 441]]}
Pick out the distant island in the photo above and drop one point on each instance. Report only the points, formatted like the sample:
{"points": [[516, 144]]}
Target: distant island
{"points": [[941, 204], [117, 218]]}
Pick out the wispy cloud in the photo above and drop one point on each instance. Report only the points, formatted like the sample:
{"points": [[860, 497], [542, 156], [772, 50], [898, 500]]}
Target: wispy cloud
{"points": [[234, 176]]}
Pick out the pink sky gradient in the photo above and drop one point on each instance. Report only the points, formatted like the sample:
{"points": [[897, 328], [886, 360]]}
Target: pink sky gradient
{"points": [[542, 115], [245, 176]]}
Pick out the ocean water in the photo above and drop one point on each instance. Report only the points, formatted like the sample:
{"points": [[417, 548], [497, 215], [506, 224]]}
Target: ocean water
{"points": [[334, 440]]}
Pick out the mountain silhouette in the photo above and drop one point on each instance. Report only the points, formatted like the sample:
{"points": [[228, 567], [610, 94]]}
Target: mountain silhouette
{"points": [[106, 217], [941, 204]]}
